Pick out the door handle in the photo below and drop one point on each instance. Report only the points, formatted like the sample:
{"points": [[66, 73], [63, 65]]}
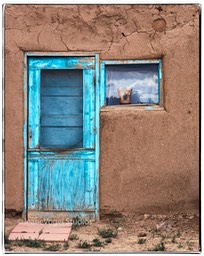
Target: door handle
{"points": [[30, 134]]}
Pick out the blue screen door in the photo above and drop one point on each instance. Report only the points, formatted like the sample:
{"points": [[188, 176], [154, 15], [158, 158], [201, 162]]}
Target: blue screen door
{"points": [[61, 137]]}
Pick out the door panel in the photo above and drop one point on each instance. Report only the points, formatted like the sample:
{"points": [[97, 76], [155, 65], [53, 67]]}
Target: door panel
{"points": [[65, 105], [62, 120], [61, 185], [61, 135], [61, 78], [62, 91]]}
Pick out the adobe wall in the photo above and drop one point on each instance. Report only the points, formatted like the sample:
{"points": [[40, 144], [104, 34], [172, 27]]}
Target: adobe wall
{"points": [[149, 159]]}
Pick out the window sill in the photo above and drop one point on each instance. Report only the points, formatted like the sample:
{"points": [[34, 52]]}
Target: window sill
{"points": [[133, 108]]}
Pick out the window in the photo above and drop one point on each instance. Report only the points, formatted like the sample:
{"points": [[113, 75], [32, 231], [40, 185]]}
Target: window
{"points": [[61, 108], [134, 82]]}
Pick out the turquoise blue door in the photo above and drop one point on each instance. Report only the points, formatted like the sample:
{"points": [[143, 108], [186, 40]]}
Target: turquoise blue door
{"points": [[61, 134]]}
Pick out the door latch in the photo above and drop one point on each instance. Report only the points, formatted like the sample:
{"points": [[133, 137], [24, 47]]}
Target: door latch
{"points": [[30, 134]]}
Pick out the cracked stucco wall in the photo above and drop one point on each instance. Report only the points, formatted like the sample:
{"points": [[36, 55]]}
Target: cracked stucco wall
{"points": [[158, 169]]}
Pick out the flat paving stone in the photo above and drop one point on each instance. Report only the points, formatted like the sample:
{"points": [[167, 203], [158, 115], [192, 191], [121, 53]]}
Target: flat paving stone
{"points": [[46, 232], [28, 228], [20, 236], [60, 225], [56, 230], [54, 237]]}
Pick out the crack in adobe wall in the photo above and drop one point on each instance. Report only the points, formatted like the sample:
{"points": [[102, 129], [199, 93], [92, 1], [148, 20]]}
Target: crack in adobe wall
{"points": [[116, 23]]}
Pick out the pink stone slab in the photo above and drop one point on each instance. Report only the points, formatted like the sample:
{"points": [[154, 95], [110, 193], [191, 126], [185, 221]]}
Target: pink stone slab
{"points": [[28, 228], [60, 225], [20, 236], [31, 224], [57, 226], [53, 230], [54, 237]]}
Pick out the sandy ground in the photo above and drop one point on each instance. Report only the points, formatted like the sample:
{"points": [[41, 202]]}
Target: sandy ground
{"points": [[169, 233]]}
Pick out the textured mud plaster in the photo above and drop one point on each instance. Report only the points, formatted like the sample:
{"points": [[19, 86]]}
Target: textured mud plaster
{"points": [[149, 159]]}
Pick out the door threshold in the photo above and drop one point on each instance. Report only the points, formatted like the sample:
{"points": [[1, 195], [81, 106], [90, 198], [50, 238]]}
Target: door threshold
{"points": [[61, 216]]}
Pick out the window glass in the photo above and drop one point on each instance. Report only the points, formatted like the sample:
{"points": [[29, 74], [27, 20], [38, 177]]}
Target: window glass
{"points": [[132, 84]]}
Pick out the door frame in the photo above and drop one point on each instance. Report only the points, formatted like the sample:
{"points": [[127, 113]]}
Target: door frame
{"points": [[97, 120]]}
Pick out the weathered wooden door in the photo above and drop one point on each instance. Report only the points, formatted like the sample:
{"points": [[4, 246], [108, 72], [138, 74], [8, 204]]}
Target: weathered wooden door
{"points": [[61, 137]]}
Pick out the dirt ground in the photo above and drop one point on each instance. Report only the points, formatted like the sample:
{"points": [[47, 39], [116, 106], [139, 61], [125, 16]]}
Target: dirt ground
{"points": [[139, 233]]}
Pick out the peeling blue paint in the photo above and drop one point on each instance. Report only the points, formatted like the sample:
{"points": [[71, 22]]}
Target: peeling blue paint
{"points": [[102, 84], [62, 62], [97, 134], [159, 79], [148, 108], [25, 137], [117, 62]]}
